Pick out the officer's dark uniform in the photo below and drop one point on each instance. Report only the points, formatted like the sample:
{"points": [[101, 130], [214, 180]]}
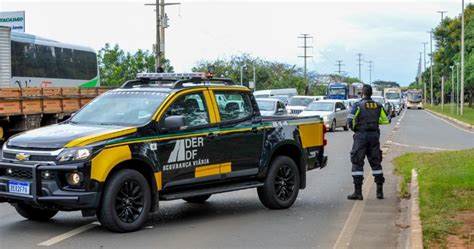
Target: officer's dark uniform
{"points": [[364, 120]]}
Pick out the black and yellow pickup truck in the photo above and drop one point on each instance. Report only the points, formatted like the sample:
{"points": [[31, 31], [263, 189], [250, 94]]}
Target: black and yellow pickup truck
{"points": [[160, 137]]}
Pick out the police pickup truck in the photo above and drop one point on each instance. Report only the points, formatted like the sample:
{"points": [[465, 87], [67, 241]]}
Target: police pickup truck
{"points": [[160, 137]]}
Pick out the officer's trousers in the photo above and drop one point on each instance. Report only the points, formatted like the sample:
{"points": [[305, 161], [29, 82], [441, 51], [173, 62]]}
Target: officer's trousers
{"points": [[366, 143]]}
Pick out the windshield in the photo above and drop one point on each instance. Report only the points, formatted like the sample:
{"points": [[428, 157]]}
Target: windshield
{"points": [[415, 97], [120, 108], [281, 97], [320, 106], [300, 101], [337, 91], [392, 95], [379, 100], [261, 96], [266, 105]]}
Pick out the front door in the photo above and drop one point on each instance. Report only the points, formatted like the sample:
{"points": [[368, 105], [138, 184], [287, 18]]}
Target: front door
{"points": [[187, 154]]}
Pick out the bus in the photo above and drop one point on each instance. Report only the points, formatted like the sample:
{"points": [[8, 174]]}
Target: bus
{"points": [[31, 61], [414, 99]]}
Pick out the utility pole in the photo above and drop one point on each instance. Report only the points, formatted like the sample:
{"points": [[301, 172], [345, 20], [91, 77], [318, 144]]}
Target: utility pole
{"points": [[462, 61], [360, 64], [370, 71], [419, 70], [442, 92], [339, 65], [442, 14], [424, 69], [431, 67], [161, 24], [305, 56]]}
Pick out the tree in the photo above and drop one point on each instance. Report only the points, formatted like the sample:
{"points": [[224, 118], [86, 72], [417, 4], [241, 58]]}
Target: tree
{"points": [[116, 66]]}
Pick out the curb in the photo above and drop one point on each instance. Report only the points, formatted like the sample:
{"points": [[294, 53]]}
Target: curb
{"points": [[458, 122], [416, 235]]}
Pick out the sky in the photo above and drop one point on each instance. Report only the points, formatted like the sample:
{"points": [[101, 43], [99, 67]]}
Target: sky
{"points": [[389, 33]]}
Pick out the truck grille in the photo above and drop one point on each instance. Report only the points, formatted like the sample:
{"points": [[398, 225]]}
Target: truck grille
{"points": [[17, 173], [296, 111], [35, 158]]}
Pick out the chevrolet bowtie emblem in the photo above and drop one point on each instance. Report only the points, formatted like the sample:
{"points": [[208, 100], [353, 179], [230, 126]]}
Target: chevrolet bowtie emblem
{"points": [[22, 157]]}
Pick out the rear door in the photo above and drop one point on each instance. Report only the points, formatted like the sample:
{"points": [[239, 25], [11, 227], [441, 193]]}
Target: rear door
{"points": [[240, 136]]}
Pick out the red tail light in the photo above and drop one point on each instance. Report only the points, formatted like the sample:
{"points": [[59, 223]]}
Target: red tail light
{"points": [[325, 142]]}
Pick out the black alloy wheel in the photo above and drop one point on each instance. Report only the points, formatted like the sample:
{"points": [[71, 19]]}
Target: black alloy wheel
{"points": [[129, 202], [285, 183]]}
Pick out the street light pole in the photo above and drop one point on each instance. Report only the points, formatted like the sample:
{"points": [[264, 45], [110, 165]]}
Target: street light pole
{"points": [[424, 69], [457, 88], [431, 67], [242, 74], [462, 62], [452, 88]]}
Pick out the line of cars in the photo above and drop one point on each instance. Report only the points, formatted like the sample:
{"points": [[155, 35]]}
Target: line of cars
{"points": [[333, 111]]}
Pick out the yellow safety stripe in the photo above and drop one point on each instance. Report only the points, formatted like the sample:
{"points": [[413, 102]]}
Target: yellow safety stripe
{"points": [[213, 169], [159, 180], [210, 106], [214, 105], [86, 140]]}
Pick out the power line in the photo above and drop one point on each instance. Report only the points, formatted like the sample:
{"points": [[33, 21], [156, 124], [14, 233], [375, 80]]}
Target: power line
{"points": [[305, 56]]}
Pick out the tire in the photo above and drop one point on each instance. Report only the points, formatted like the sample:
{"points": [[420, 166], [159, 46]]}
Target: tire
{"points": [[33, 213], [281, 185], [346, 127], [333, 126], [126, 202], [197, 199]]}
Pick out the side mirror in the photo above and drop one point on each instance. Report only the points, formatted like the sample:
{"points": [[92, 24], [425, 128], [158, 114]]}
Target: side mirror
{"points": [[338, 109], [174, 122]]}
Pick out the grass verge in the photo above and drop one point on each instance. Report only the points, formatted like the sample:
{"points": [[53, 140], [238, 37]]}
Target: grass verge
{"points": [[446, 182], [450, 110]]}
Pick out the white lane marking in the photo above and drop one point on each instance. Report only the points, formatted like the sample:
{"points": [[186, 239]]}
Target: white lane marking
{"points": [[345, 236], [69, 234], [446, 121], [416, 146]]}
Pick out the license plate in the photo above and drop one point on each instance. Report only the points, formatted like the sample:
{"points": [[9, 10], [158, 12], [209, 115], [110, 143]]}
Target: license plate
{"points": [[19, 187]]}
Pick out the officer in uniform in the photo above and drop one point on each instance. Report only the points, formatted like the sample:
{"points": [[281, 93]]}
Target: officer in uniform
{"points": [[364, 120]]}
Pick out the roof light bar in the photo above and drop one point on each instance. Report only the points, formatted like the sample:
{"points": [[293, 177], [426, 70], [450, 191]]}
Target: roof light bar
{"points": [[171, 75]]}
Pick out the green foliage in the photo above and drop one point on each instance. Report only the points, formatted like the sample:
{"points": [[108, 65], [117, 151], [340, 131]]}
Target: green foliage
{"points": [[268, 74], [385, 84], [116, 66], [446, 181]]}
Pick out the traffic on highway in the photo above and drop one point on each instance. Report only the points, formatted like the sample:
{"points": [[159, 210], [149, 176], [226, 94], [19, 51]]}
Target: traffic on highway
{"points": [[221, 143]]}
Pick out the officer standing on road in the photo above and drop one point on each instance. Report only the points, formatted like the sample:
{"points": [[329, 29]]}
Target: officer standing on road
{"points": [[364, 120]]}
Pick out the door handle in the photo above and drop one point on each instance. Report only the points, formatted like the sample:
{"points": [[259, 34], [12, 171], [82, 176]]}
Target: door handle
{"points": [[211, 135]]}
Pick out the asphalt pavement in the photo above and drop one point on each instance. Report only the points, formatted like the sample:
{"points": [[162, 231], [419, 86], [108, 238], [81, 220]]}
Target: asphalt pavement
{"points": [[238, 220]]}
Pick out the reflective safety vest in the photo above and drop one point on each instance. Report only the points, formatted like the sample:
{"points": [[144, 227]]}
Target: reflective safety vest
{"points": [[369, 114]]}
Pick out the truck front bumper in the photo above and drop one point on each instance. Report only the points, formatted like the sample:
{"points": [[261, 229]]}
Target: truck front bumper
{"points": [[46, 192]]}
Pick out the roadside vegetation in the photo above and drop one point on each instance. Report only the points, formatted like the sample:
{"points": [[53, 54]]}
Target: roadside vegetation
{"points": [[446, 182], [450, 110]]}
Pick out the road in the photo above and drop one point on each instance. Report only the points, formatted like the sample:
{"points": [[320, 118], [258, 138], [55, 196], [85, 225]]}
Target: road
{"points": [[238, 220]]}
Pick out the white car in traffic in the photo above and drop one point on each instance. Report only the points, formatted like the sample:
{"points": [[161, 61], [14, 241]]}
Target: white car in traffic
{"points": [[333, 112]]}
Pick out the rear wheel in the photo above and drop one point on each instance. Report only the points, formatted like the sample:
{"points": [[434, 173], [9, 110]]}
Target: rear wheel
{"points": [[33, 213], [281, 185], [126, 202], [197, 199], [346, 127]]}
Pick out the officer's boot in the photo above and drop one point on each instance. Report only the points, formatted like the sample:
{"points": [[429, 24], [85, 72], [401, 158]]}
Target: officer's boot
{"points": [[357, 195], [379, 180], [379, 190]]}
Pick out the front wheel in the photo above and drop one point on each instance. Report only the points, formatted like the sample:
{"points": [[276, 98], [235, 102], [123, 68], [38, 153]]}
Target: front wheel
{"points": [[126, 202], [33, 213], [281, 185]]}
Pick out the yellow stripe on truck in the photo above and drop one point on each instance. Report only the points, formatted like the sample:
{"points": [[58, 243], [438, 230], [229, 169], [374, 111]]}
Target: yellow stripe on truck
{"points": [[83, 141], [158, 180], [213, 169], [312, 135], [103, 163]]}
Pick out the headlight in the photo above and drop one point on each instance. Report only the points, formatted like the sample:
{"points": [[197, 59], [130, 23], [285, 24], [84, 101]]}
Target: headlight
{"points": [[74, 154]]}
